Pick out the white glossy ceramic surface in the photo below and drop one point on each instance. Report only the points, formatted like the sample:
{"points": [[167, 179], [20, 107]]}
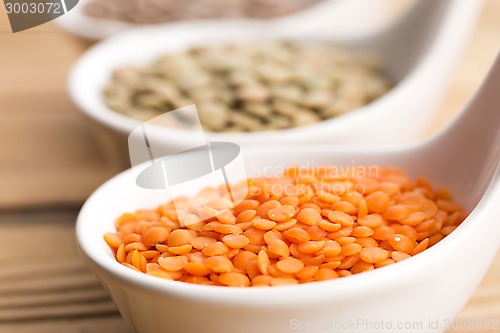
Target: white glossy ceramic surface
{"points": [[421, 293], [339, 15], [419, 52]]}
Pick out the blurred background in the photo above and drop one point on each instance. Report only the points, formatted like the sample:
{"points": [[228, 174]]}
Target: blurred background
{"points": [[50, 162]]}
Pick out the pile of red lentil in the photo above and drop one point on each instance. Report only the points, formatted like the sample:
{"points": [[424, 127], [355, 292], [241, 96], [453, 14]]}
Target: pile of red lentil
{"points": [[306, 225]]}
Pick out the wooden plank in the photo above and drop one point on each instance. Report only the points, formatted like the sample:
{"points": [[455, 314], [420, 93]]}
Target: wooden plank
{"points": [[49, 155], [47, 238], [41, 268], [104, 324], [54, 312], [46, 280], [48, 298], [60, 282]]}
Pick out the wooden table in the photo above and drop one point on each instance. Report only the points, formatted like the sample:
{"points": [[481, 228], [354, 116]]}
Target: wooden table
{"points": [[50, 162]]}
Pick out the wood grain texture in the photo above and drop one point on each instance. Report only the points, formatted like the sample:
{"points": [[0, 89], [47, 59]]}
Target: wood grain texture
{"points": [[44, 282], [48, 155]]}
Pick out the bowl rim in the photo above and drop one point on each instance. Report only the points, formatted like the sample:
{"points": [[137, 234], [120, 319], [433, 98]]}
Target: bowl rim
{"points": [[380, 280]]}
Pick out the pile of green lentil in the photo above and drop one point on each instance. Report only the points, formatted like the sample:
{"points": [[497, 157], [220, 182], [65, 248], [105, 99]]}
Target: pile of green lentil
{"points": [[244, 87]]}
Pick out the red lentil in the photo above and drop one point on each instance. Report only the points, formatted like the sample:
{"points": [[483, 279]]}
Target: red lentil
{"points": [[235, 241], [173, 263], [325, 274], [246, 216], [371, 221], [200, 243], [361, 266], [263, 224], [313, 261], [262, 280], [215, 249], [366, 241], [219, 264], [279, 247], [341, 218], [377, 201], [373, 255], [309, 216], [302, 227], [401, 243], [234, 279], [263, 262], [290, 265], [282, 213]]}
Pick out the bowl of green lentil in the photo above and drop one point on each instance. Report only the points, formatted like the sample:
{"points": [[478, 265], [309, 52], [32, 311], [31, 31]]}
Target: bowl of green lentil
{"points": [[253, 83]]}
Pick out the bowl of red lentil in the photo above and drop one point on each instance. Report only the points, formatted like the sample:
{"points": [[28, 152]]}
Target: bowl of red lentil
{"points": [[318, 243]]}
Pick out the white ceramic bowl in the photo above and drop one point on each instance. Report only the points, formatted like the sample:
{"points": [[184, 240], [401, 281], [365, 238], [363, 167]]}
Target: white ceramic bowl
{"points": [[421, 294], [340, 15], [427, 41]]}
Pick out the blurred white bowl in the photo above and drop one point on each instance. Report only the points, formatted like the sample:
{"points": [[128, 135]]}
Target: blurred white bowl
{"points": [[338, 15], [419, 52]]}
